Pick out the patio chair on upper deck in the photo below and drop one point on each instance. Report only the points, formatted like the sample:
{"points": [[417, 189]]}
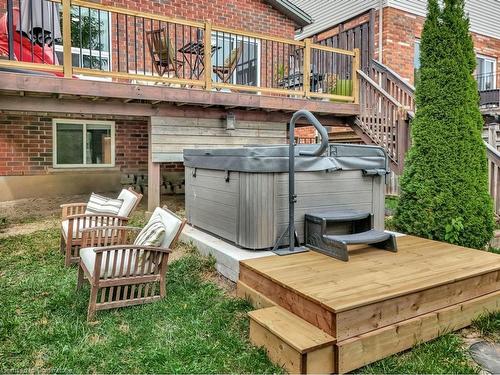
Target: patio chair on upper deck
{"points": [[76, 217], [163, 53], [125, 268], [225, 71]]}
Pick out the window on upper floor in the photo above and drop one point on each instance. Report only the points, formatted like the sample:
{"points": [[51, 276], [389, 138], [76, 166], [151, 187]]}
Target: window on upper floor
{"points": [[486, 72], [83, 143], [90, 46]]}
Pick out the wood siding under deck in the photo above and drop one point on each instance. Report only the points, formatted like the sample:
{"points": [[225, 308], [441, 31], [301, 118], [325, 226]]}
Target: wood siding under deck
{"points": [[171, 135]]}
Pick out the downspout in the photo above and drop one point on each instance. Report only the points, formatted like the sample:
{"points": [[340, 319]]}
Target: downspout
{"points": [[380, 29]]}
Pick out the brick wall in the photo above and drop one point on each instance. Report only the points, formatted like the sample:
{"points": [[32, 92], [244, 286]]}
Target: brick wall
{"points": [[26, 143], [254, 15], [305, 133], [400, 31]]}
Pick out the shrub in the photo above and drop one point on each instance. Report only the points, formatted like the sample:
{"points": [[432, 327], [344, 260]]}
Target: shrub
{"points": [[444, 187]]}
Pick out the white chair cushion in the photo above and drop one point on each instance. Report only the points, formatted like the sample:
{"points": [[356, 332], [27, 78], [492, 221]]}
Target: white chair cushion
{"points": [[171, 222], [102, 205], [77, 232], [129, 200], [88, 257]]}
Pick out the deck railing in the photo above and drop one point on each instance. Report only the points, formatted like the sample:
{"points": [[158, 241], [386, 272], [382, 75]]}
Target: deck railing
{"points": [[125, 45], [488, 85]]}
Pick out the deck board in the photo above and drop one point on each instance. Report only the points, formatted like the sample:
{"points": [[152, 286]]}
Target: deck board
{"points": [[374, 275]]}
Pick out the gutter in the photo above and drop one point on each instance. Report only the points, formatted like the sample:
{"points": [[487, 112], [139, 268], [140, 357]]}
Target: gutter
{"points": [[292, 11]]}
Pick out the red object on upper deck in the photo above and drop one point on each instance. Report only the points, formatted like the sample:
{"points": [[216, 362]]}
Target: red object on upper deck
{"points": [[24, 49]]}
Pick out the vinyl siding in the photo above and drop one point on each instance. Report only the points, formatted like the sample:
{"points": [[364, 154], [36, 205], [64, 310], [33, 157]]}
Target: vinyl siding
{"points": [[326, 13], [484, 14]]}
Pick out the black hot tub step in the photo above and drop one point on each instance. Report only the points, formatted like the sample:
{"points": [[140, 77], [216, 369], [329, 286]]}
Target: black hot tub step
{"points": [[336, 245], [338, 215], [369, 237]]}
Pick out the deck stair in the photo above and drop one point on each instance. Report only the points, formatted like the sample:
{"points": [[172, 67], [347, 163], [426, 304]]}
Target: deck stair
{"points": [[291, 342], [387, 106], [377, 304], [332, 232]]}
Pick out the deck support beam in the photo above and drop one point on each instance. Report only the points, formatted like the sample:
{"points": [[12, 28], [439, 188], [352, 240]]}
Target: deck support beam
{"points": [[154, 177]]}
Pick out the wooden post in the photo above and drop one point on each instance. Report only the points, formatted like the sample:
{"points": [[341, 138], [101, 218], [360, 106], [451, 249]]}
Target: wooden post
{"points": [[208, 56], [307, 67], [154, 178], [355, 79], [66, 32]]}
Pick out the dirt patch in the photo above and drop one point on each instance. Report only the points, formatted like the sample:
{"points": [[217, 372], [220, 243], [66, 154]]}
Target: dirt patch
{"points": [[225, 284], [27, 228], [24, 216]]}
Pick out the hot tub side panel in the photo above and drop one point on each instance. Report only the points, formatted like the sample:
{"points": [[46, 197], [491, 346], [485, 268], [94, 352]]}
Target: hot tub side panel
{"points": [[322, 191], [257, 210], [212, 203]]}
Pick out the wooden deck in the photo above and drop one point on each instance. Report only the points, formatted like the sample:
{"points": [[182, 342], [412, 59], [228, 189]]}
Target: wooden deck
{"points": [[41, 93], [379, 302]]}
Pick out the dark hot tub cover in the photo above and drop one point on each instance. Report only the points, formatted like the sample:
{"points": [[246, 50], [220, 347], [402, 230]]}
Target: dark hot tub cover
{"points": [[271, 159]]}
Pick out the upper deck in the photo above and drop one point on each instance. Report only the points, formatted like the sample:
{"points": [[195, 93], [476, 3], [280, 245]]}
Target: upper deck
{"points": [[102, 52]]}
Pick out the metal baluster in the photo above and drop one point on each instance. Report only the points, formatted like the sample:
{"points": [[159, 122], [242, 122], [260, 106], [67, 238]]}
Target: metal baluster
{"points": [[10, 28], [118, 40], [126, 41], [135, 43], [80, 34], [99, 37], [143, 46], [90, 40]]}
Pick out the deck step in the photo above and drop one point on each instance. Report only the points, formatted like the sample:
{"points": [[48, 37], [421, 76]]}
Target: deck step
{"points": [[330, 232], [256, 299], [292, 342], [338, 215], [368, 237]]}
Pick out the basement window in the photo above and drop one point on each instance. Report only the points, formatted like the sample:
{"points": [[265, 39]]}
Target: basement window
{"points": [[83, 143]]}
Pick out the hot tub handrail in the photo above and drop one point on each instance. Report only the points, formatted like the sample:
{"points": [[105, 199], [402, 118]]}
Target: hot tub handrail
{"points": [[320, 128], [292, 197]]}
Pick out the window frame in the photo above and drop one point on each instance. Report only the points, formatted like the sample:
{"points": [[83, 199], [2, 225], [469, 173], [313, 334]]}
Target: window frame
{"points": [[107, 54], [494, 73], [84, 124], [234, 39]]}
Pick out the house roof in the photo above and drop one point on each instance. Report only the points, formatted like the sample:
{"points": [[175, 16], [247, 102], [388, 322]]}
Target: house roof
{"points": [[292, 11]]}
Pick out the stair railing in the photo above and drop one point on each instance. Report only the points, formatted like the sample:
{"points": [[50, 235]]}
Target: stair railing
{"points": [[384, 120], [387, 104], [493, 175], [394, 84]]}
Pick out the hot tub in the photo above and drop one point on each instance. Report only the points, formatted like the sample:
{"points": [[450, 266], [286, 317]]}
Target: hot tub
{"points": [[241, 194]]}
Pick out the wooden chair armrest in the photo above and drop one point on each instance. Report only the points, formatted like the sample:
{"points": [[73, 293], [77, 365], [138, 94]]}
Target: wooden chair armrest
{"points": [[73, 204], [97, 216], [113, 227], [103, 249], [72, 209], [108, 235]]}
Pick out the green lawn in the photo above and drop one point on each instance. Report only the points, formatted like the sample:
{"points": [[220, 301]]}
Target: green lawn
{"points": [[198, 328], [43, 327]]}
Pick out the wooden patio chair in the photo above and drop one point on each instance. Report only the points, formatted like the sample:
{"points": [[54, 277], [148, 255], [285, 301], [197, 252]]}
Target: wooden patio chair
{"points": [[121, 272], [163, 53], [74, 220], [225, 71]]}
